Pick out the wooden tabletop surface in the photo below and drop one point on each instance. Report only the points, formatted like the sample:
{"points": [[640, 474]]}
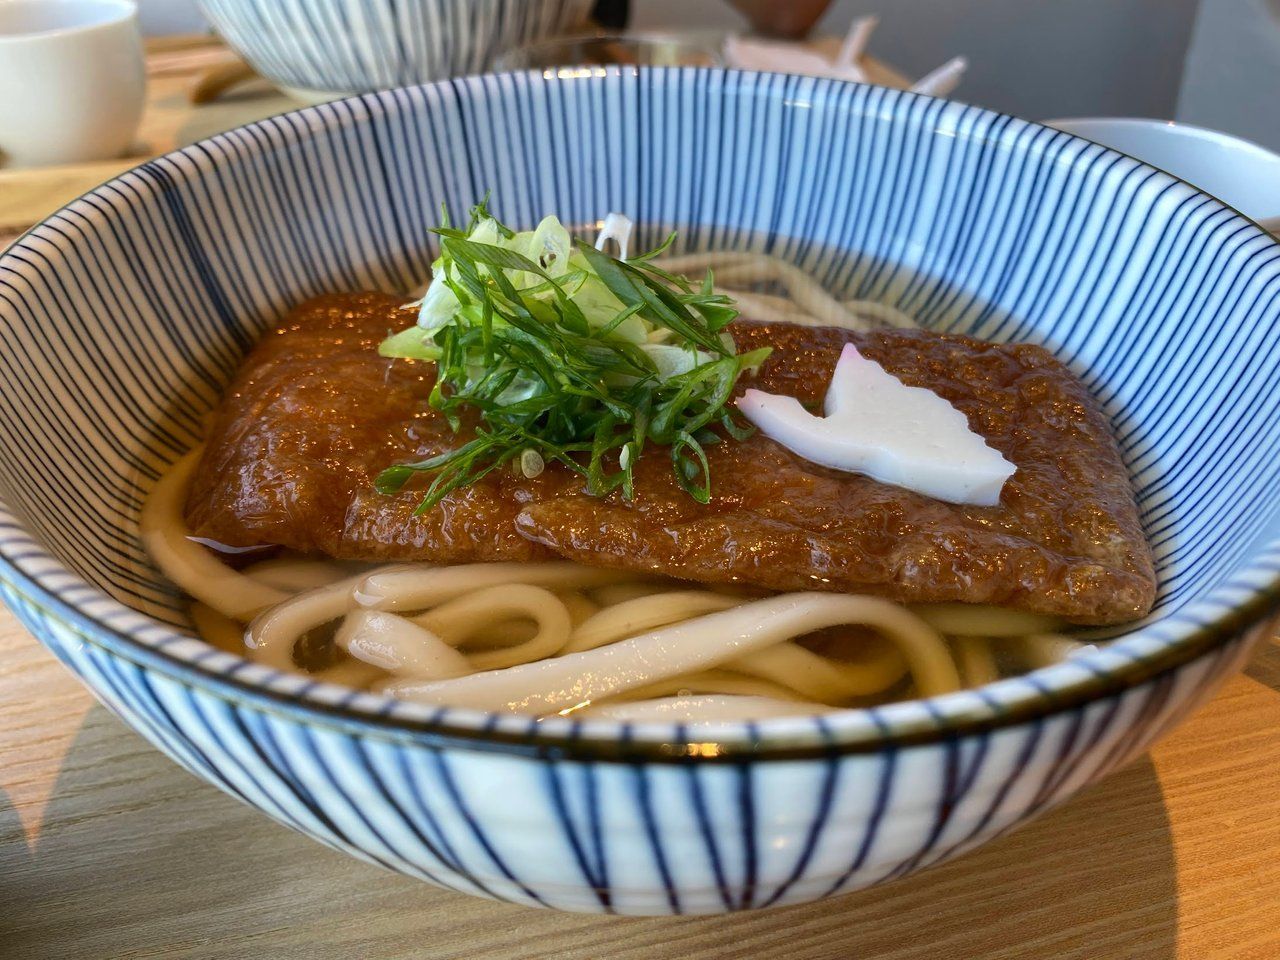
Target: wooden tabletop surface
{"points": [[109, 850]]}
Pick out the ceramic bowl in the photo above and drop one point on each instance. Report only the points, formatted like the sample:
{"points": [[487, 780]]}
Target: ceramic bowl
{"points": [[317, 50], [124, 315], [1236, 171]]}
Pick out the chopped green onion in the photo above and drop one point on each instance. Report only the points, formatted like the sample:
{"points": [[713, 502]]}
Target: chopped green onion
{"points": [[531, 463], [412, 344], [569, 356]]}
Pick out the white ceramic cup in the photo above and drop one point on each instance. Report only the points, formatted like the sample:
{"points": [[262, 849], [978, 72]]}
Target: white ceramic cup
{"points": [[1236, 171], [72, 80]]}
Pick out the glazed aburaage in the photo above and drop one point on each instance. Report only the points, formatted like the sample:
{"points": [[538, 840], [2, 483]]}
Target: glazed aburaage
{"points": [[316, 413]]}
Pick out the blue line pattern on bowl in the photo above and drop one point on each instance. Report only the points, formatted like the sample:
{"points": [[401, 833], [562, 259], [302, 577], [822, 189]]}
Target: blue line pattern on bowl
{"points": [[634, 838], [356, 46], [125, 313]]}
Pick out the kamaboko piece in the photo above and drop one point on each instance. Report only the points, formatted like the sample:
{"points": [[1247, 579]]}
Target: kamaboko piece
{"points": [[315, 414]]}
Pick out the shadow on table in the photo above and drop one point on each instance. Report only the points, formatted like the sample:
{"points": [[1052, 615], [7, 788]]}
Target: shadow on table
{"points": [[137, 858], [1264, 665]]}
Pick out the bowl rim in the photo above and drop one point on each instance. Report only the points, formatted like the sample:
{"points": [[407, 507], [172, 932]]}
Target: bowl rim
{"points": [[1177, 130], [1177, 127], [113, 14], [1253, 589]]}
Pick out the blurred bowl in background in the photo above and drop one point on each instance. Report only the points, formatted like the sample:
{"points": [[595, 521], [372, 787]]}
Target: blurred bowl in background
{"points": [[324, 49], [1236, 171], [635, 49]]}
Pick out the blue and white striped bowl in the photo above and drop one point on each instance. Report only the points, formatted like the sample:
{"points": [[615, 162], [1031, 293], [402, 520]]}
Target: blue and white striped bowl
{"points": [[123, 315], [317, 50]]}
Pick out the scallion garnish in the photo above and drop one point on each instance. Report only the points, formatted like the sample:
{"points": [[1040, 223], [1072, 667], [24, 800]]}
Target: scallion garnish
{"points": [[568, 355]]}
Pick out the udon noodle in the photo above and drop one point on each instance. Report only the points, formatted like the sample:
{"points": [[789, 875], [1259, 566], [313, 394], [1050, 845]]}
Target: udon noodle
{"points": [[561, 638], [748, 278]]}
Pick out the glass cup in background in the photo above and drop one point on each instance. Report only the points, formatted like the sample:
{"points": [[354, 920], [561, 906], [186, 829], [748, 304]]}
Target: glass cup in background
{"points": [[72, 80], [630, 49]]}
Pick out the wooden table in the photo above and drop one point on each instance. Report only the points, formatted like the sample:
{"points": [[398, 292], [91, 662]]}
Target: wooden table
{"points": [[109, 850]]}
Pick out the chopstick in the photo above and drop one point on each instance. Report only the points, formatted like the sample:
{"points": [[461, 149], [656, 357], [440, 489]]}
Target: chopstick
{"points": [[189, 61], [214, 81]]}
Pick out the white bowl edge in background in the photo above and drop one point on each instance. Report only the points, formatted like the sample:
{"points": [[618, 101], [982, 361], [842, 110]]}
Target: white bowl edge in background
{"points": [[1238, 172]]}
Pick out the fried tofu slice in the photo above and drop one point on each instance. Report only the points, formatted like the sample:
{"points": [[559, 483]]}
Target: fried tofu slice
{"points": [[315, 414]]}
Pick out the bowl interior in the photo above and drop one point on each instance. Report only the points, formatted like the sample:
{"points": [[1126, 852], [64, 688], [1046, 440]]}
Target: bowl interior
{"points": [[124, 314]]}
